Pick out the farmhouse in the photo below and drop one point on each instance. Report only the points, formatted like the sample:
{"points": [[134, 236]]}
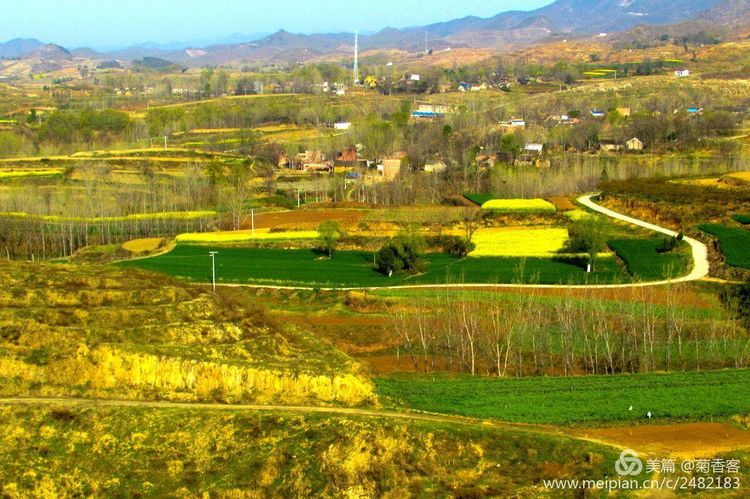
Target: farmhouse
{"points": [[342, 125], [347, 156], [512, 124], [430, 111], [435, 167], [597, 114], [533, 148], [682, 73], [609, 145], [389, 168], [634, 144], [562, 119], [312, 161]]}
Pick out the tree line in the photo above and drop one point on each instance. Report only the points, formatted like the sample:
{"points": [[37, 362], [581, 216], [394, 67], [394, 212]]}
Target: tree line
{"points": [[527, 335]]}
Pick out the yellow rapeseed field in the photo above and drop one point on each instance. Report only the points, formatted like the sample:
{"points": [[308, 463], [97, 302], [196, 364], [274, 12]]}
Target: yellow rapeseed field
{"points": [[245, 236], [519, 241], [209, 131], [180, 215], [519, 206], [576, 215], [28, 173], [743, 176], [142, 245]]}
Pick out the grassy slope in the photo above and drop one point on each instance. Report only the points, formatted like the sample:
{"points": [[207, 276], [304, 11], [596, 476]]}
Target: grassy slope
{"points": [[734, 243], [302, 267], [126, 334], [478, 199], [165, 452], [570, 400]]}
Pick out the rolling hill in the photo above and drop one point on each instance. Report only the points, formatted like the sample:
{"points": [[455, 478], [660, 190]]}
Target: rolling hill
{"points": [[505, 31]]}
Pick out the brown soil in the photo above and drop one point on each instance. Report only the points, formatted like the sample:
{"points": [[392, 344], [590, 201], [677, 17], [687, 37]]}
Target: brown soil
{"points": [[335, 321], [389, 364], [346, 217], [683, 440], [562, 203]]}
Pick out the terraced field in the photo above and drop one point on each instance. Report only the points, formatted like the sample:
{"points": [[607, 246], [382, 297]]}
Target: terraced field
{"points": [[733, 241]]}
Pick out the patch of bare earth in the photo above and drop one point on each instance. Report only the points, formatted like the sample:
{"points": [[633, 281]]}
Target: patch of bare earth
{"points": [[681, 440]]}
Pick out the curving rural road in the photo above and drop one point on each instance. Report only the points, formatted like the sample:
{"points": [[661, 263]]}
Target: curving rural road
{"points": [[700, 251], [71, 402], [699, 269]]}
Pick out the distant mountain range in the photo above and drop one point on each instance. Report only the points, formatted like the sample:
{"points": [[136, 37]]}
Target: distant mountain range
{"points": [[508, 30]]}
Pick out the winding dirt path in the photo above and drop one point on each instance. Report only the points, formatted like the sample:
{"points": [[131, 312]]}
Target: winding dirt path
{"points": [[684, 440], [297, 409], [700, 251]]}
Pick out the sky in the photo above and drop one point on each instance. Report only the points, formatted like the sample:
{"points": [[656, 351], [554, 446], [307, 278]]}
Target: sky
{"points": [[102, 24]]}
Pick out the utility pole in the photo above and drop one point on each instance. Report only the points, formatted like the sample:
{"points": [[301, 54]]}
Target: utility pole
{"points": [[252, 222], [356, 58], [212, 254], [165, 142]]}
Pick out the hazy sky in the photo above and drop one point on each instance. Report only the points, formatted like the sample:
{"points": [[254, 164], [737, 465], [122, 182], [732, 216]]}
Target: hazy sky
{"points": [[106, 24]]}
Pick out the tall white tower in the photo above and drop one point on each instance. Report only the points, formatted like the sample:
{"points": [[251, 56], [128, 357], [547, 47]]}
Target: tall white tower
{"points": [[356, 57]]}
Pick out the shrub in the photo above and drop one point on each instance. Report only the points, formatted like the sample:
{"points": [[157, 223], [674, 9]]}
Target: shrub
{"points": [[329, 233], [456, 246], [588, 235], [401, 253], [670, 243], [737, 299]]}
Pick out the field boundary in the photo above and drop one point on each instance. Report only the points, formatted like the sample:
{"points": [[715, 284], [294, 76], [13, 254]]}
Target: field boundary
{"points": [[700, 266]]}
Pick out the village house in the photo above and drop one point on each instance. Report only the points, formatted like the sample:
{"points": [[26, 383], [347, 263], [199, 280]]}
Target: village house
{"points": [[342, 125], [390, 167], [562, 119], [634, 144], [609, 145], [348, 156], [682, 73], [435, 167], [430, 111], [512, 125], [312, 161], [533, 148]]}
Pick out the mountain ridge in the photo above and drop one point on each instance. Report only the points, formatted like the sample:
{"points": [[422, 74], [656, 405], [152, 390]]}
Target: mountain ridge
{"points": [[506, 30]]}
